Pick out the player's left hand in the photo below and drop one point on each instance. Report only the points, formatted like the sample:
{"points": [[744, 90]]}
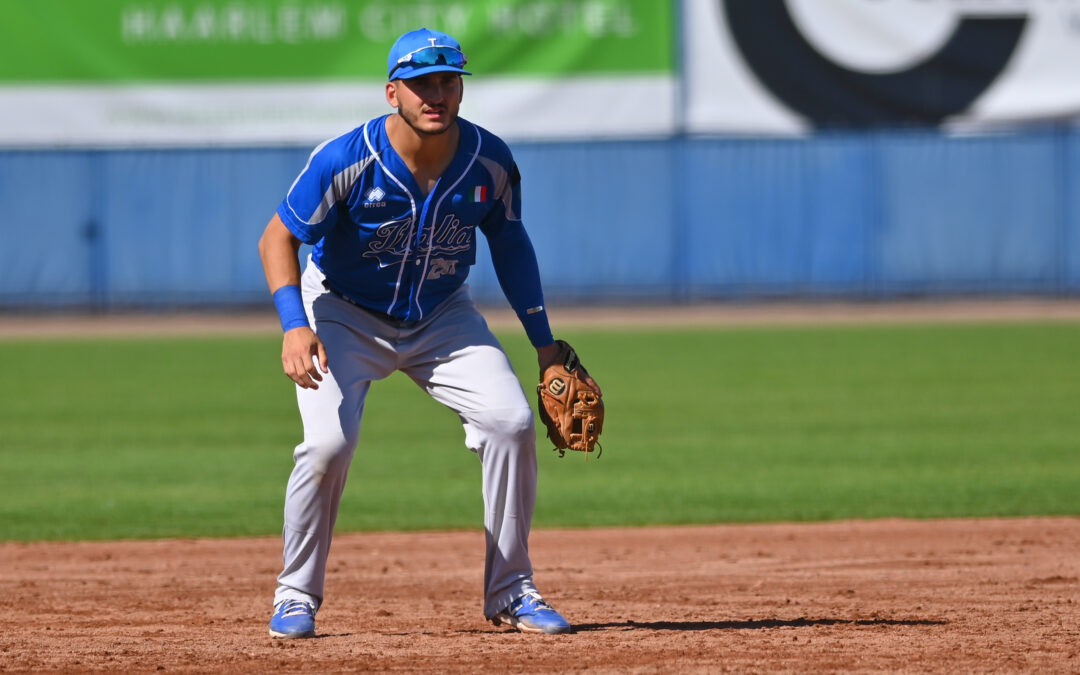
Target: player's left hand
{"points": [[549, 354], [569, 400]]}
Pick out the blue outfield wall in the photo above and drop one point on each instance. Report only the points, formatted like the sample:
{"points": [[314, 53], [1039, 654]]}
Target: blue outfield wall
{"points": [[855, 215]]}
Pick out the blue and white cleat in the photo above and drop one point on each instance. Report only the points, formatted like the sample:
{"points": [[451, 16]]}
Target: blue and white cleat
{"points": [[530, 614], [293, 619]]}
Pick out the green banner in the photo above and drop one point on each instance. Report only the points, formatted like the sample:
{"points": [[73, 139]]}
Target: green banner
{"points": [[131, 41]]}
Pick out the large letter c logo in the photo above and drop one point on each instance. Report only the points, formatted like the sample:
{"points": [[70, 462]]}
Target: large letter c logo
{"points": [[828, 94]]}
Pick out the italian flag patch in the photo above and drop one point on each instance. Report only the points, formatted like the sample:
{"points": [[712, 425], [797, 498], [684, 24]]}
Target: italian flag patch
{"points": [[479, 194]]}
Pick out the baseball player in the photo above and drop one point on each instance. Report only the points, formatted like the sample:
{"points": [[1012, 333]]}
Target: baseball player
{"points": [[393, 210]]}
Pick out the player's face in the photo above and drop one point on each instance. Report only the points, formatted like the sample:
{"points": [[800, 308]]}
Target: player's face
{"points": [[429, 103]]}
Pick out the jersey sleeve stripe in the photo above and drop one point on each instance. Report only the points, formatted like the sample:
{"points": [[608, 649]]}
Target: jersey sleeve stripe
{"points": [[342, 183]]}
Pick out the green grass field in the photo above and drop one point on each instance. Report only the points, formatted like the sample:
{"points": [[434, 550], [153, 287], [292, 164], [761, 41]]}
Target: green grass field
{"points": [[163, 437]]}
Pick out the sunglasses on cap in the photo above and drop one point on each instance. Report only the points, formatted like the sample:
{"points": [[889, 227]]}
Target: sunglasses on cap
{"points": [[432, 55]]}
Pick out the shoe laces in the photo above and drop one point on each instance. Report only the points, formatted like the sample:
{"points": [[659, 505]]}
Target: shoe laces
{"points": [[538, 602], [294, 608]]}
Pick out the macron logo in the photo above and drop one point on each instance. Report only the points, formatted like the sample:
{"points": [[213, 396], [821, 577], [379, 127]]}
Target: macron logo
{"points": [[374, 198]]}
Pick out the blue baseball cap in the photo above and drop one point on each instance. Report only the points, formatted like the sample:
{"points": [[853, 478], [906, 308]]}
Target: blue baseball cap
{"points": [[424, 51]]}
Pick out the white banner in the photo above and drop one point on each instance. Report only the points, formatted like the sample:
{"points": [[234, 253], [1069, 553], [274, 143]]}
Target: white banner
{"points": [[243, 114], [789, 66]]}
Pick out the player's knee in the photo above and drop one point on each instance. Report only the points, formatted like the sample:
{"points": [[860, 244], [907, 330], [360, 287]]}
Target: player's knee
{"points": [[507, 422], [326, 454]]}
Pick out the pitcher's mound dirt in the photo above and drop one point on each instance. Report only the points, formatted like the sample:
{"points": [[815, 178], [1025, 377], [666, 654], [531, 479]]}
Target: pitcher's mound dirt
{"points": [[997, 595]]}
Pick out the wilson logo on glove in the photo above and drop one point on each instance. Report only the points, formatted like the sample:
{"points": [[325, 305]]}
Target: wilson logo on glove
{"points": [[557, 387]]}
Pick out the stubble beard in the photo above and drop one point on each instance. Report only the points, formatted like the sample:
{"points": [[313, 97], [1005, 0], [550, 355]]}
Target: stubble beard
{"points": [[413, 123]]}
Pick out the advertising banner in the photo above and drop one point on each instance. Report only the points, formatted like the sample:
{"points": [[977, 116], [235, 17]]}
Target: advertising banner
{"points": [[135, 73], [198, 72], [790, 66]]}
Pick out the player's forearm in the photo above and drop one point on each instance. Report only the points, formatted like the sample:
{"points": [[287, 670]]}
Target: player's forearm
{"points": [[515, 264], [278, 251]]}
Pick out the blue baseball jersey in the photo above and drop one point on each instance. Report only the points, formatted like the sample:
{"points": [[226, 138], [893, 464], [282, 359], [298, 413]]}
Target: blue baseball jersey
{"points": [[385, 245]]}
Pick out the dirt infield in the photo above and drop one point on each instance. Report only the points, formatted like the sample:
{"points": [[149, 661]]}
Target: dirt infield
{"points": [[995, 595]]}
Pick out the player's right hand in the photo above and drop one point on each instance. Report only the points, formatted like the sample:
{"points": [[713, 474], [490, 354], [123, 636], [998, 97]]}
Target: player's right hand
{"points": [[299, 349]]}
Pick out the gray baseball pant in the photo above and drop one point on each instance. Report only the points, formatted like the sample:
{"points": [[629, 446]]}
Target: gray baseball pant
{"points": [[455, 358]]}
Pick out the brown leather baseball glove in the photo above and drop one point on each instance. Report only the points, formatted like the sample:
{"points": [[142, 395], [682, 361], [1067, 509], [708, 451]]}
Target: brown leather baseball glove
{"points": [[571, 410]]}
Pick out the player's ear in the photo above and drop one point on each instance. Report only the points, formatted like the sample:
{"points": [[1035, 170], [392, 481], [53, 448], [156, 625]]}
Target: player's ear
{"points": [[391, 93]]}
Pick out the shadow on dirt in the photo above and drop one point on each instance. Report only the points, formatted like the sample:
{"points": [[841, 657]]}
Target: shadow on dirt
{"points": [[751, 624]]}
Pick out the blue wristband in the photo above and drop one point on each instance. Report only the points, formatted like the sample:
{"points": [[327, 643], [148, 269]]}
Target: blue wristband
{"points": [[290, 307]]}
